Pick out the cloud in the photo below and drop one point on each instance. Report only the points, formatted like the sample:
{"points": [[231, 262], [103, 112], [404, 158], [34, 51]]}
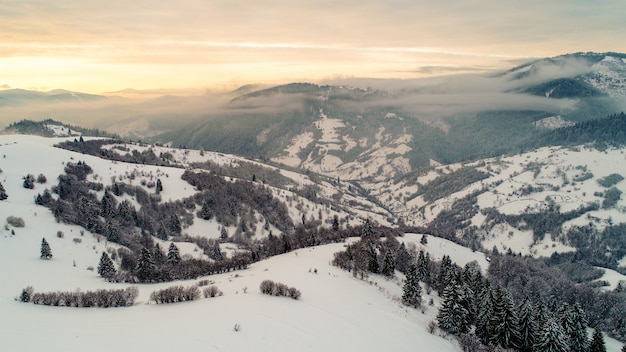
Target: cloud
{"points": [[5, 86], [253, 41]]}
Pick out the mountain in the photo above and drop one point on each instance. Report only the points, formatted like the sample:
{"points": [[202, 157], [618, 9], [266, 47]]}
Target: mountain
{"points": [[340, 131], [16, 97]]}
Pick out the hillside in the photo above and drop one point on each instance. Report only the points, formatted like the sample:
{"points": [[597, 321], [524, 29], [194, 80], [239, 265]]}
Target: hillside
{"points": [[336, 309], [341, 130]]}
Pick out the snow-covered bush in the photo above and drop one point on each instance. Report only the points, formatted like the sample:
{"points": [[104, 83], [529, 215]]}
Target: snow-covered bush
{"points": [[175, 294], [99, 298], [269, 287], [212, 291]]}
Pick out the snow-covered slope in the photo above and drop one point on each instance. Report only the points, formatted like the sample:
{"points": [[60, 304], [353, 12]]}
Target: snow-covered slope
{"points": [[336, 311]]}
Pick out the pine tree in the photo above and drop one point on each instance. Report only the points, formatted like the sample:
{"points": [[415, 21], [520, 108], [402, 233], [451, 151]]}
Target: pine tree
{"points": [[217, 252], [505, 322], [411, 290], [445, 268], [106, 268], [335, 223], [597, 342], [453, 317], [552, 338], [367, 233], [174, 225], [205, 212], [484, 318], [108, 205], [389, 264], [157, 254], [527, 326], [3, 192], [46, 253], [29, 181], [422, 266], [159, 186], [403, 258], [372, 256], [173, 255], [578, 331], [145, 266]]}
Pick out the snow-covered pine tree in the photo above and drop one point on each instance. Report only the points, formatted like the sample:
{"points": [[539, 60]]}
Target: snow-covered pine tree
{"points": [[411, 290], [216, 253], [106, 268], [173, 255], [422, 266], [367, 233], [174, 224], [597, 342], [372, 255], [46, 252], [3, 192], [158, 255], [484, 318], [205, 212], [145, 266], [453, 316], [552, 338], [389, 264], [527, 326], [108, 205], [443, 279], [578, 333], [505, 322]]}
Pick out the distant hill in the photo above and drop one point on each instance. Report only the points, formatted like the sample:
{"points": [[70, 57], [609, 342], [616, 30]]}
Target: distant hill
{"points": [[15, 97]]}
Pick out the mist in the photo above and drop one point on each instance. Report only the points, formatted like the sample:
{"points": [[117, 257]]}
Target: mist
{"points": [[143, 115]]}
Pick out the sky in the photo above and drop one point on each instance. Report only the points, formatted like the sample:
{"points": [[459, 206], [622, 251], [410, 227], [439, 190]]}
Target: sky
{"points": [[103, 46]]}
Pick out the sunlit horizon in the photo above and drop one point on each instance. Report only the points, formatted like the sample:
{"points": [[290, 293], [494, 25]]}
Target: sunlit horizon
{"points": [[98, 48]]}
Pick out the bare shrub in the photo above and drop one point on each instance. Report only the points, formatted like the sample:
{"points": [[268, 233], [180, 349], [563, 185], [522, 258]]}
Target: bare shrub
{"points": [[175, 294], [15, 221], [269, 287], [212, 291]]}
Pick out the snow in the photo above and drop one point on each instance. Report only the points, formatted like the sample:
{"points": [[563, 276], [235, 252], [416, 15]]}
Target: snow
{"points": [[613, 278], [552, 123], [336, 311]]}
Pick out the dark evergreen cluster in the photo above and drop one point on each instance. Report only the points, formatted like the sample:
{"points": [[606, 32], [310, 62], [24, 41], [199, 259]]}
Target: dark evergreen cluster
{"points": [[372, 255], [548, 281], [226, 200], [95, 147], [519, 306], [608, 131], [99, 298]]}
